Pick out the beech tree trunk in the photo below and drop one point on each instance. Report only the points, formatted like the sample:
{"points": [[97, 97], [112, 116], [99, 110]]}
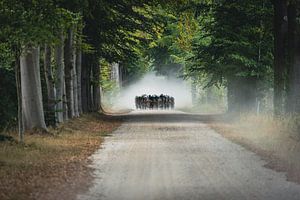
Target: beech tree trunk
{"points": [[121, 69], [78, 71], [69, 72], [84, 87], [115, 74], [292, 14], [75, 81], [19, 96], [51, 92], [194, 91], [85, 82], [294, 55], [60, 79], [241, 94], [96, 87], [280, 29], [90, 83], [230, 96], [123, 76], [32, 103], [295, 94], [209, 95], [65, 104]]}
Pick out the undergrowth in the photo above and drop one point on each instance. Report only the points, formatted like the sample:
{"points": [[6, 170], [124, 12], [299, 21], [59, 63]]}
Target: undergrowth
{"points": [[30, 170]]}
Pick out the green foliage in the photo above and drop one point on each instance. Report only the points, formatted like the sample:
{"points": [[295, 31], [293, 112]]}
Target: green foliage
{"points": [[238, 40], [111, 27], [174, 45], [207, 41], [136, 67], [27, 21], [6, 57], [216, 40], [8, 104], [106, 83], [23, 23]]}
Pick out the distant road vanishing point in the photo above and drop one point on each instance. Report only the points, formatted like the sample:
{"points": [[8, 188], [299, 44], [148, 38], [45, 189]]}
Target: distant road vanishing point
{"points": [[169, 155]]}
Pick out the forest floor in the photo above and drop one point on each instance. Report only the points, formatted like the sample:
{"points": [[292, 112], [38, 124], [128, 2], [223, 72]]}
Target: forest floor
{"points": [[277, 141], [52, 166]]}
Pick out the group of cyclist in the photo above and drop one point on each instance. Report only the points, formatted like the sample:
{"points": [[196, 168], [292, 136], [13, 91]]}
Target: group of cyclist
{"points": [[154, 102]]}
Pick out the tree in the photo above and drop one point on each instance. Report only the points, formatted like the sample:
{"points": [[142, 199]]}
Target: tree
{"points": [[69, 72], [50, 84], [111, 31], [78, 65], [8, 89], [234, 48], [293, 97], [26, 26], [32, 104], [60, 78], [280, 31]]}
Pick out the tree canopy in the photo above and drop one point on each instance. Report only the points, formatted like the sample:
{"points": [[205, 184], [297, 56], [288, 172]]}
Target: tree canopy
{"points": [[247, 47]]}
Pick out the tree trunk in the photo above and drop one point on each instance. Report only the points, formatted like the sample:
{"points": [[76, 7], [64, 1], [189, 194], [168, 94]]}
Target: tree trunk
{"points": [[280, 28], [292, 24], [123, 75], [295, 94], [69, 67], [115, 74], [19, 96], [294, 75], [232, 94], [60, 79], [32, 104], [86, 82], [241, 94], [249, 94], [78, 71], [65, 103], [84, 87], [194, 91], [51, 92], [209, 95], [96, 86], [75, 81], [121, 69]]}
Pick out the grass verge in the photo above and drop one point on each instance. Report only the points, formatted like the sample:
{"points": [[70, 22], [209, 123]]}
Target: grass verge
{"points": [[52, 166], [204, 109], [277, 141]]}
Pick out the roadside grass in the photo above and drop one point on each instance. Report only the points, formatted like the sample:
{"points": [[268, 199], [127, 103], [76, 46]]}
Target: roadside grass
{"points": [[277, 141], [52, 166], [110, 108], [204, 109]]}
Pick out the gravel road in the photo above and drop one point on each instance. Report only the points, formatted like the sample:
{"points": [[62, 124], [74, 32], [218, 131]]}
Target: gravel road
{"points": [[172, 155]]}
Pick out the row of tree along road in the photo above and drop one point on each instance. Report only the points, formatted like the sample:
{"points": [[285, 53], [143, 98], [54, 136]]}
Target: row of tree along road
{"points": [[57, 52], [55, 48]]}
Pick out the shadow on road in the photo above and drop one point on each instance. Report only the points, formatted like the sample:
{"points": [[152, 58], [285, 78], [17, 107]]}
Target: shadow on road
{"points": [[167, 117]]}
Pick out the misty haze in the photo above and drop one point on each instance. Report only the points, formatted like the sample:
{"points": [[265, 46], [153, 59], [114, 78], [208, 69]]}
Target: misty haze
{"points": [[152, 84]]}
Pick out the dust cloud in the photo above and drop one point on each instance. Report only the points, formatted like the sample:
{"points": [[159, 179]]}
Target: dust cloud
{"points": [[152, 84]]}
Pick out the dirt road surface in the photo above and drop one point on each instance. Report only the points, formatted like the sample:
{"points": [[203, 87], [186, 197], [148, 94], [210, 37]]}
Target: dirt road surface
{"points": [[171, 155]]}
